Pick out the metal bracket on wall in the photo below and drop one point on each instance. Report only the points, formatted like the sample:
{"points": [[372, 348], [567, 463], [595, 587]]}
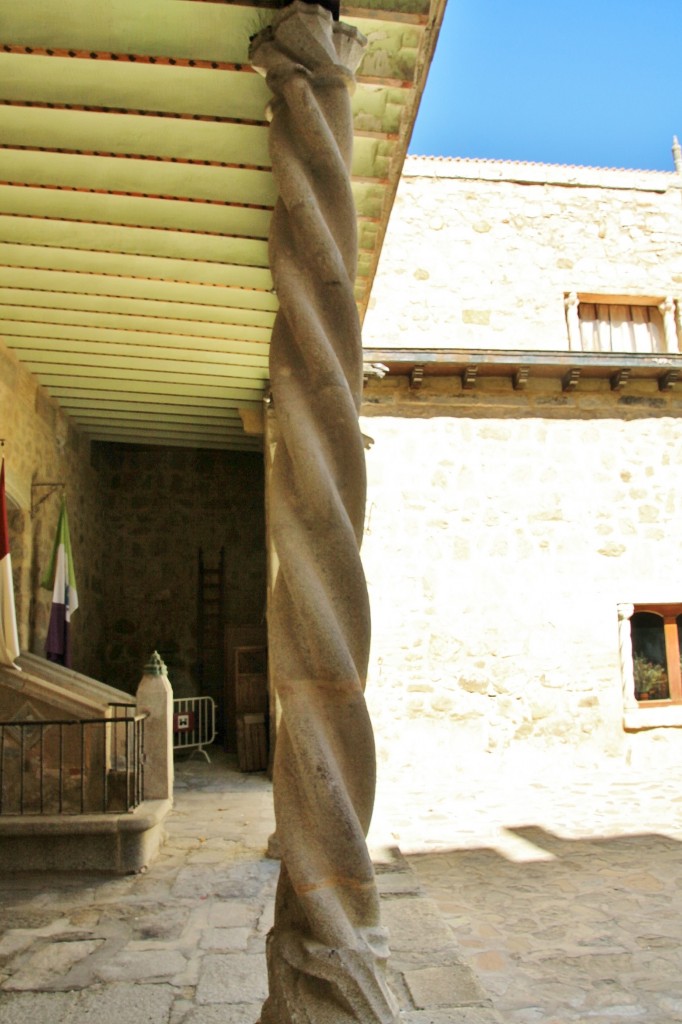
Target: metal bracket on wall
{"points": [[53, 486]]}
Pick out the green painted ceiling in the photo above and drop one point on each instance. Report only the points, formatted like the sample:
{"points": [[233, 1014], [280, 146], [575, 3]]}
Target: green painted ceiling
{"points": [[136, 194]]}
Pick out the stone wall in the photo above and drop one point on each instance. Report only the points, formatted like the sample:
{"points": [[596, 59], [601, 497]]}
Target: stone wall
{"points": [[43, 445], [163, 504], [499, 541], [504, 527], [480, 255]]}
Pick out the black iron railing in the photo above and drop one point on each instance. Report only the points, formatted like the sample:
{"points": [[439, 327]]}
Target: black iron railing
{"points": [[61, 766]]}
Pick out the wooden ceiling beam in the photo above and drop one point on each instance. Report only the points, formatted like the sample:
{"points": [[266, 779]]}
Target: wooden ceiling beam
{"points": [[136, 227], [148, 312], [173, 115], [78, 391], [96, 329], [92, 284], [126, 58]]}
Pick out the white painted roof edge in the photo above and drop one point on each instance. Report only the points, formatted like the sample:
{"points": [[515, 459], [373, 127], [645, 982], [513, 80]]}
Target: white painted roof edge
{"points": [[553, 174]]}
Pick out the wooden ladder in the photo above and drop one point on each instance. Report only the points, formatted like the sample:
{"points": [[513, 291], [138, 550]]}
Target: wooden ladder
{"points": [[210, 631]]}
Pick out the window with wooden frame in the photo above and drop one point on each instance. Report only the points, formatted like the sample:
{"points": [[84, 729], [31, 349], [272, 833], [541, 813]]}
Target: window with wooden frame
{"points": [[656, 645]]}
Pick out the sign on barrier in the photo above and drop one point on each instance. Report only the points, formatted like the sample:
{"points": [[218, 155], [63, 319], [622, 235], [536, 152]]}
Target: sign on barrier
{"points": [[194, 724]]}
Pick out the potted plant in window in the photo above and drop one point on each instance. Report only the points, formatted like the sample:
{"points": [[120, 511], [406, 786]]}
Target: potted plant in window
{"points": [[651, 680]]}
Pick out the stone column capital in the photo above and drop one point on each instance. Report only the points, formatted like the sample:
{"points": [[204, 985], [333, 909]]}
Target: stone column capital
{"points": [[304, 37]]}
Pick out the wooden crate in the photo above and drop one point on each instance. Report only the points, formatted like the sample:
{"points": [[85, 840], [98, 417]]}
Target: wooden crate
{"points": [[252, 742]]}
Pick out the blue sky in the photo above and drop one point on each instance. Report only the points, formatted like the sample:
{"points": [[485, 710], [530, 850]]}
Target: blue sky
{"points": [[591, 82]]}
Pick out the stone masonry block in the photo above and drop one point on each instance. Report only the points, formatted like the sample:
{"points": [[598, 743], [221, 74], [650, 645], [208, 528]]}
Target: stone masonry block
{"points": [[232, 978], [449, 985]]}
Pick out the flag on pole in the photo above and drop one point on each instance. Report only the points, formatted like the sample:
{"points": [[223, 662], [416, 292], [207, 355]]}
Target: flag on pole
{"points": [[61, 579], [9, 639]]}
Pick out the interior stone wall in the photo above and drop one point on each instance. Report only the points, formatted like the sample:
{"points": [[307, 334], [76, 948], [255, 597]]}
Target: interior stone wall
{"points": [[163, 504], [43, 445], [138, 517]]}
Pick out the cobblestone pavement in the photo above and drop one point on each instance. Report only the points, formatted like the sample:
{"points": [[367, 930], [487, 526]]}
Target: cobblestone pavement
{"points": [[179, 943], [184, 942], [561, 887], [562, 884]]}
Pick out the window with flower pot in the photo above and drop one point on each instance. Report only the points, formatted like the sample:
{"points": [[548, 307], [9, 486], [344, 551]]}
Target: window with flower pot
{"points": [[656, 645]]}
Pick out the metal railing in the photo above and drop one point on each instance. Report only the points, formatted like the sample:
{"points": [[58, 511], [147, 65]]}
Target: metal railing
{"points": [[193, 724], [66, 766]]}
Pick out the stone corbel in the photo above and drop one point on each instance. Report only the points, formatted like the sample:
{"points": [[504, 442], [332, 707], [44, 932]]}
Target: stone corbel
{"points": [[416, 377], [469, 375], [620, 378], [569, 381], [668, 380], [520, 378]]}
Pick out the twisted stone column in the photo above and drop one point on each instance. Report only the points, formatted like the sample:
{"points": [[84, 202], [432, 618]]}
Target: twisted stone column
{"points": [[327, 951]]}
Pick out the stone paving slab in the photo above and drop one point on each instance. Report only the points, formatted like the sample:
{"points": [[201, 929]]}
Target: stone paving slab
{"points": [[458, 1015], [232, 978], [122, 1003], [444, 986]]}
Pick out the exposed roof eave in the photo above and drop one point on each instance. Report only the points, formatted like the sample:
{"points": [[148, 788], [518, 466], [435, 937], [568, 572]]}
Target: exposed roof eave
{"points": [[135, 199]]}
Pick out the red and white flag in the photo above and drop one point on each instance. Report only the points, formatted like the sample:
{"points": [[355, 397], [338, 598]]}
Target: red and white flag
{"points": [[9, 638]]}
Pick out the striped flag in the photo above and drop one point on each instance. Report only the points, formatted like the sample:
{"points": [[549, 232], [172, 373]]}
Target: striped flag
{"points": [[61, 579], [9, 639]]}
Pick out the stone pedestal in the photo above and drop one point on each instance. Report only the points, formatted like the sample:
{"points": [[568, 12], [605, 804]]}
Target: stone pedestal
{"points": [[155, 696]]}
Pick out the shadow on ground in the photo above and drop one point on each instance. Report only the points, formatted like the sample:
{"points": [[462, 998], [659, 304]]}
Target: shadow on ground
{"points": [[561, 930]]}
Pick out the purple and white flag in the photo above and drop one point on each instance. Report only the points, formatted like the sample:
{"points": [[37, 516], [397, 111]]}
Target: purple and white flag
{"points": [[61, 578]]}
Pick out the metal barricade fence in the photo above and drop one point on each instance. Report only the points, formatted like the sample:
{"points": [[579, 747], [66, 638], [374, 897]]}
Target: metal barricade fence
{"points": [[193, 724]]}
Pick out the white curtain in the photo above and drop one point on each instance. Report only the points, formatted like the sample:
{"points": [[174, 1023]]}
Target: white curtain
{"points": [[613, 327]]}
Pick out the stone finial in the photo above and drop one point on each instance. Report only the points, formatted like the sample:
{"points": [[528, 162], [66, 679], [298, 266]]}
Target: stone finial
{"points": [[677, 154], [155, 666]]}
